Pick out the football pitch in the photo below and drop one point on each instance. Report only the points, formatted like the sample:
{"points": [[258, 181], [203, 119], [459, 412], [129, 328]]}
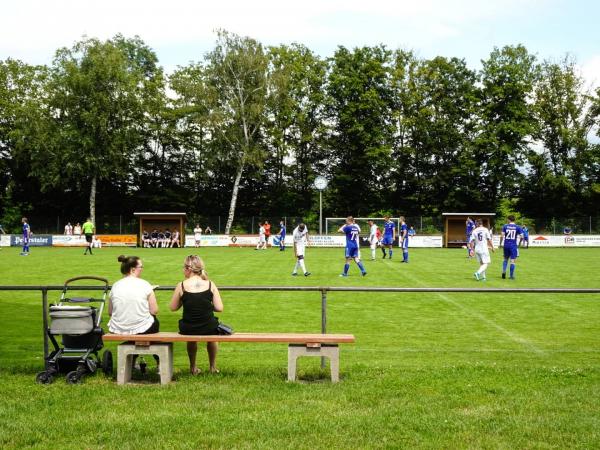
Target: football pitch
{"points": [[428, 370]]}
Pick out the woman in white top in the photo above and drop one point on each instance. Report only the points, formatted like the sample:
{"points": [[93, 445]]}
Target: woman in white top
{"points": [[132, 304]]}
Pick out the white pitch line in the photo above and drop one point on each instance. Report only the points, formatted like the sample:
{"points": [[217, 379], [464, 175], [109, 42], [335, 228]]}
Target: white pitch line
{"points": [[514, 336]]}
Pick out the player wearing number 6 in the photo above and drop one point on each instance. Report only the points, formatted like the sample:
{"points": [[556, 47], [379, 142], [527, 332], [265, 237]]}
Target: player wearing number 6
{"points": [[479, 241], [352, 232], [510, 233]]}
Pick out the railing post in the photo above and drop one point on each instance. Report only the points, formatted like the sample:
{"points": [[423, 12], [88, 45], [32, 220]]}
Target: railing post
{"points": [[323, 319], [45, 323]]}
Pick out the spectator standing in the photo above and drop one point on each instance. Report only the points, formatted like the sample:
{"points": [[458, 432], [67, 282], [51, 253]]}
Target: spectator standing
{"points": [[68, 229]]}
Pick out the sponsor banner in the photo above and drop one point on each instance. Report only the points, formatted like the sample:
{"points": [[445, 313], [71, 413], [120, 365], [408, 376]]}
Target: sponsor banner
{"points": [[4, 240], [425, 241], [107, 240], [36, 240], [68, 241], [210, 240], [117, 240], [324, 241], [538, 240]]}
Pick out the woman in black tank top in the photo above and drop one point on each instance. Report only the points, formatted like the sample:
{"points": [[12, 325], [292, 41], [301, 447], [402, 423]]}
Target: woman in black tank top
{"points": [[199, 298]]}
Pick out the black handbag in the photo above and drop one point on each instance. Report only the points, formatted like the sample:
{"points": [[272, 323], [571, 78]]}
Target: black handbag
{"points": [[223, 329]]}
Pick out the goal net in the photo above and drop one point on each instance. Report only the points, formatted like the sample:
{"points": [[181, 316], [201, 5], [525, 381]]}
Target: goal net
{"points": [[332, 224]]}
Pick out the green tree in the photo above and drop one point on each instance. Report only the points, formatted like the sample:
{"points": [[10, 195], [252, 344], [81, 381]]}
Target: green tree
{"points": [[359, 107], [294, 127], [237, 71], [22, 88], [434, 116], [558, 179], [507, 121], [96, 110]]}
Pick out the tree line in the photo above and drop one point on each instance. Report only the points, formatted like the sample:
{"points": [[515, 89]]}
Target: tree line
{"points": [[246, 129]]}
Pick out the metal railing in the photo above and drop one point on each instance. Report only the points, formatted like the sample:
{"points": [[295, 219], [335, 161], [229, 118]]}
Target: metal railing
{"points": [[322, 289]]}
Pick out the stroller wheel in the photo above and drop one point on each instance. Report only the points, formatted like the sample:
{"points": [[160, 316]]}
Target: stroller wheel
{"points": [[44, 378], [74, 377], [107, 362]]}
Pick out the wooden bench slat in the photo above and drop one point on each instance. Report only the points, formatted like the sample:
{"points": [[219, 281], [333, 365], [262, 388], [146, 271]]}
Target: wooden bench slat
{"points": [[291, 338]]}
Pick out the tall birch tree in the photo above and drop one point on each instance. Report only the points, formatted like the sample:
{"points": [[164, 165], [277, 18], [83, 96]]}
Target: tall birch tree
{"points": [[237, 75]]}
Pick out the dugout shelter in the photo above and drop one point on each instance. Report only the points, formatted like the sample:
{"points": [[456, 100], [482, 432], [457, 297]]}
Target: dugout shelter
{"points": [[455, 226], [161, 220]]}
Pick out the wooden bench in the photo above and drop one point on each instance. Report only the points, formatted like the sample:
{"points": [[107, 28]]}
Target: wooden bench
{"points": [[161, 344]]}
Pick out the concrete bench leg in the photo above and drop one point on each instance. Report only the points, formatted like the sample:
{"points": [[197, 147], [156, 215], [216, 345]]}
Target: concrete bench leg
{"points": [[125, 354], [330, 351]]}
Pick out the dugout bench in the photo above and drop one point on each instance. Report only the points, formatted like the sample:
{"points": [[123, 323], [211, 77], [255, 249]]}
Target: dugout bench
{"points": [[161, 344]]}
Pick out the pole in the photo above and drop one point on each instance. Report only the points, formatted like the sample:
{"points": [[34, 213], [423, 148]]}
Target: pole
{"points": [[320, 212], [323, 319], [120, 230], [45, 323]]}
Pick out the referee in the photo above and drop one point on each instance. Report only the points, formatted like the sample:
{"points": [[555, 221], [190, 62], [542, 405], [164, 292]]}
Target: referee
{"points": [[88, 229]]}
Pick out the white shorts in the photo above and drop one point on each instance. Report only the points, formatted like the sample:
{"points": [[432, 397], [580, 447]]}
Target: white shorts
{"points": [[483, 258], [300, 249], [261, 239], [197, 237], [374, 242]]}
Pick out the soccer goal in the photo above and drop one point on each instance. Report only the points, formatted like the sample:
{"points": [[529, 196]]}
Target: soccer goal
{"points": [[332, 224]]}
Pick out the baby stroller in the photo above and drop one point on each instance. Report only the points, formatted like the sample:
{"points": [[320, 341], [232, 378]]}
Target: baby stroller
{"points": [[81, 334]]}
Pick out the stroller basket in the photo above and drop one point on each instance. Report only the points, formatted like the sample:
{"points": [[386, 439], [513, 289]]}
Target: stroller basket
{"points": [[72, 320]]}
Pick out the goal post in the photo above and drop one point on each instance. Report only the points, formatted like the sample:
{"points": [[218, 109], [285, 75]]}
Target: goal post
{"points": [[332, 224]]}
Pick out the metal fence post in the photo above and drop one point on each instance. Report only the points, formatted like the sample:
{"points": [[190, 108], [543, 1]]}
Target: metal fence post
{"points": [[45, 323], [323, 319]]}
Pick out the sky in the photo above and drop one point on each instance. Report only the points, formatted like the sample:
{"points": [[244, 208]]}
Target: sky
{"points": [[181, 31]]}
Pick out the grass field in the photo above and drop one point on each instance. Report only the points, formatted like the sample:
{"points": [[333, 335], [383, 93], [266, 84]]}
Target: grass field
{"points": [[428, 370]]}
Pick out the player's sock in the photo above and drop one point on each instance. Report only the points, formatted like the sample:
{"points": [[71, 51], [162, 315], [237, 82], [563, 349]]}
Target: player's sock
{"points": [[302, 266], [405, 256], [346, 268], [360, 266], [482, 269], [504, 265], [383, 251], [512, 270], [373, 253], [391, 253], [296, 268]]}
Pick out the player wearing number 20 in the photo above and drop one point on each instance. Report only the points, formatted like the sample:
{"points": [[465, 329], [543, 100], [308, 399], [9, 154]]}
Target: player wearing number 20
{"points": [[510, 233], [352, 232]]}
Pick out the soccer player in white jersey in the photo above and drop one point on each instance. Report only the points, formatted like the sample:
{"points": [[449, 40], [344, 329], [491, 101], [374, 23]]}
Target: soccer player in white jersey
{"points": [[480, 242], [300, 237], [262, 240], [373, 238]]}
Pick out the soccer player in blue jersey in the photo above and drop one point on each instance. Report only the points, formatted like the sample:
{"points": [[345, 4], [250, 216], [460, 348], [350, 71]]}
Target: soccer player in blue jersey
{"points": [[470, 226], [281, 236], [352, 232], [26, 236], [389, 236], [510, 233], [403, 239], [525, 241]]}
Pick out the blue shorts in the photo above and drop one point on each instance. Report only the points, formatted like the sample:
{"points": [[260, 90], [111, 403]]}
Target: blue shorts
{"points": [[351, 252], [511, 252], [405, 243], [387, 240]]}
